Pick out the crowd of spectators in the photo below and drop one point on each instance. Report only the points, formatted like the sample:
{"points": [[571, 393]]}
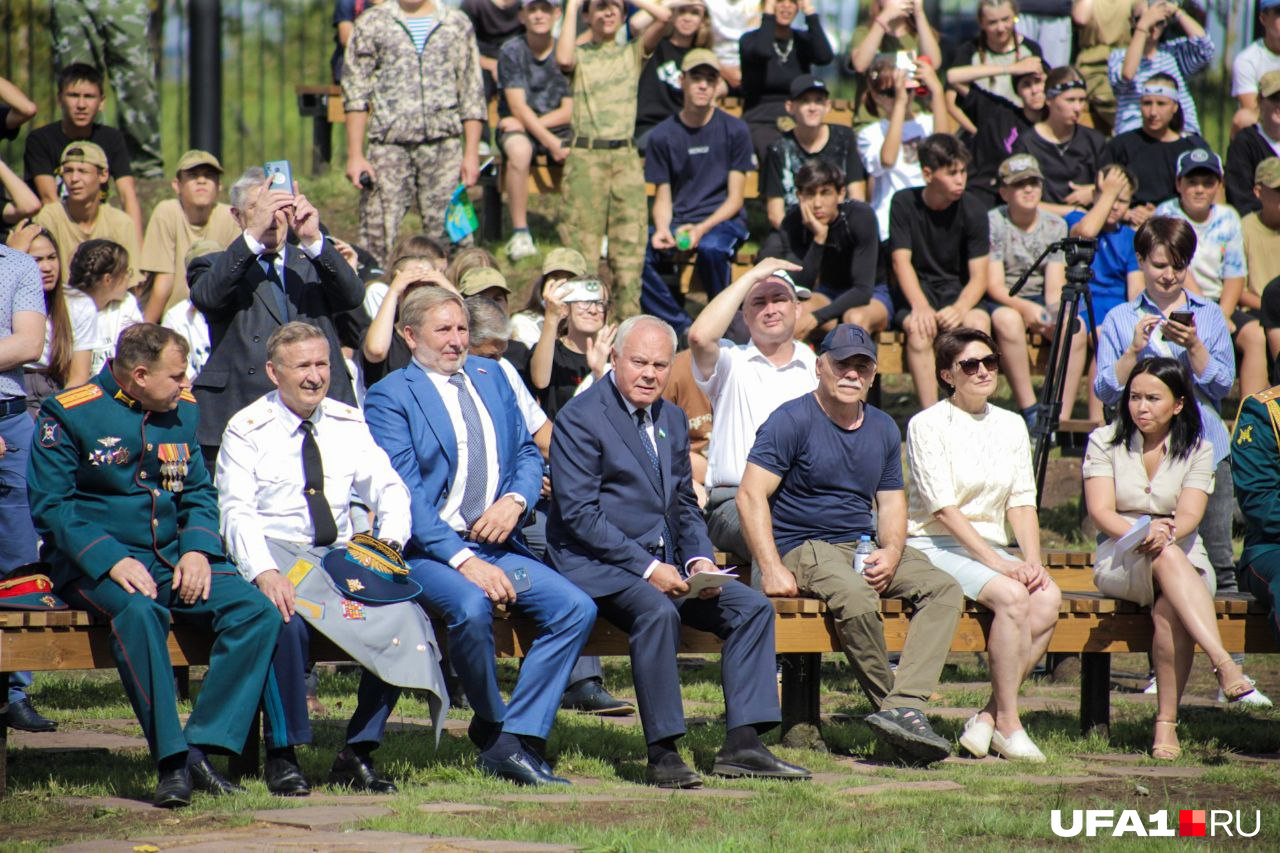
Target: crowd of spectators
{"points": [[964, 162]]}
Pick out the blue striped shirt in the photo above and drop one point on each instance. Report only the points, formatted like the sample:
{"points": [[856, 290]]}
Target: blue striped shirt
{"points": [[1211, 387], [419, 30], [1180, 58]]}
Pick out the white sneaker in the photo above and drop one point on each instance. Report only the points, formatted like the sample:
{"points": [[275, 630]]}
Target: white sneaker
{"points": [[1152, 690], [520, 246], [976, 739], [1016, 747], [1256, 698]]}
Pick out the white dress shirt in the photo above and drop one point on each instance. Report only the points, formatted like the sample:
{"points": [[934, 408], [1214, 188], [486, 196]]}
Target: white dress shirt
{"points": [[744, 389], [260, 479], [532, 413], [312, 251]]}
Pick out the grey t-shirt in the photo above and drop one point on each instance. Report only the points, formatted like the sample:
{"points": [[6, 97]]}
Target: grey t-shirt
{"points": [[20, 290], [1017, 249], [543, 83]]}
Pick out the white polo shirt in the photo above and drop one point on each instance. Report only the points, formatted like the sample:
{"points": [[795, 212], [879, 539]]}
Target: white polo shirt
{"points": [[744, 390]]}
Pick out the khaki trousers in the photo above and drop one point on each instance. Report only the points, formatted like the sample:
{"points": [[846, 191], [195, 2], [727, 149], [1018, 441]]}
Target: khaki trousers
{"points": [[825, 570]]}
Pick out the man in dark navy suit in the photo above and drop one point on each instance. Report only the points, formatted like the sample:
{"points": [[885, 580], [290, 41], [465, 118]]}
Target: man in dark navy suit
{"points": [[625, 527], [453, 430]]}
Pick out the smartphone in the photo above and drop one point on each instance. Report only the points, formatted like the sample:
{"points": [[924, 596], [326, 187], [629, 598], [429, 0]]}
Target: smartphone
{"points": [[519, 578], [1184, 318], [281, 176]]}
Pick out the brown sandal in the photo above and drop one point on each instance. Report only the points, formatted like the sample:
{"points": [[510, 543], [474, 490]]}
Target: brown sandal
{"points": [[1165, 747], [1235, 690]]}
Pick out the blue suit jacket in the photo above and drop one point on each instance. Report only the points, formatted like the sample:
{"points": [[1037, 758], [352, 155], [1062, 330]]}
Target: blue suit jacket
{"points": [[409, 421], [607, 504]]}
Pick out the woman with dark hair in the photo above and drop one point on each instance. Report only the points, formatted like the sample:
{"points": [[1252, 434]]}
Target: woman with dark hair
{"points": [[69, 334], [1168, 320], [1067, 150], [99, 273], [577, 339], [958, 507], [1151, 152], [1147, 480], [772, 56]]}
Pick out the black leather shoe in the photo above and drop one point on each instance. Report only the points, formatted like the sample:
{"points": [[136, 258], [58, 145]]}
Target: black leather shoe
{"points": [[545, 767], [671, 776], [589, 697], [756, 763], [285, 779], [205, 777], [351, 771], [173, 791], [25, 718], [521, 768]]}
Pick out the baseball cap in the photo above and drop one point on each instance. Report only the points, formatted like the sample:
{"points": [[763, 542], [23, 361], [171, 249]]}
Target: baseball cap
{"points": [[808, 83], [196, 157], [1269, 83], [481, 279], [527, 3], [564, 260], [1268, 4], [783, 278], [1018, 168], [84, 152], [1199, 160], [846, 341], [699, 56], [1267, 172]]}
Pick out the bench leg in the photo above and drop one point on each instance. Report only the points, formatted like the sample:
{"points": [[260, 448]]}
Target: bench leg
{"points": [[1095, 694], [321, 144], [182, 681], [4, 741], [491, 218], [246, 763], [801, 709]]}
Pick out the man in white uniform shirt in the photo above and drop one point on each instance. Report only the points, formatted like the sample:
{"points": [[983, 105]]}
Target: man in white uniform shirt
{"points": [[286, 469], [746, 382]]}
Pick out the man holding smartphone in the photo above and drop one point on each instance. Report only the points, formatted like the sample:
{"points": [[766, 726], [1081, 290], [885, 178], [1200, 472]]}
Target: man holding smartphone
{"points": [[412, 91]]}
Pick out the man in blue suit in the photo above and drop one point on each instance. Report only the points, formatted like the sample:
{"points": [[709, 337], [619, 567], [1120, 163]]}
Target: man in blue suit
{"points": [[454, 434], [625, 527]]}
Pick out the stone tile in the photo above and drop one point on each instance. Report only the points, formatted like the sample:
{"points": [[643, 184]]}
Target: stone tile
{"points": [[74, 739], [108, 803], [1155, 771], [347, 799], [860, 766], [558, 799], [1052, 781], [319, 817], [968, 761], [712, 793], [455, 808], [885, 787], [1113, 757]]}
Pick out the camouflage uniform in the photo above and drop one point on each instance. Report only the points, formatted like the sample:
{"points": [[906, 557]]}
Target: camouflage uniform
{"points": [[111, 35], [416, 104], [603, 190]]}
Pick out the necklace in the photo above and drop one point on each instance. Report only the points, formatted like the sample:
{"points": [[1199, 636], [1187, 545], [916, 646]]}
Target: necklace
{"points": [[784, 53]]}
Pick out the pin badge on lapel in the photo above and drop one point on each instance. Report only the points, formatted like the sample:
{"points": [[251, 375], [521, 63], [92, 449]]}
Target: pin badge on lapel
{"points": [[662, 433]]}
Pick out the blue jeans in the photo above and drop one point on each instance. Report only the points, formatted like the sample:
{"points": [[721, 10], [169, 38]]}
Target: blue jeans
{"points": [[713, 262], [17, 533]]}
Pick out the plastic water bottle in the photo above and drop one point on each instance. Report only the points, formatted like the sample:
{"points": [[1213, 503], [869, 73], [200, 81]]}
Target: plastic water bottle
{"points": [[865, 547], [683, 240]]}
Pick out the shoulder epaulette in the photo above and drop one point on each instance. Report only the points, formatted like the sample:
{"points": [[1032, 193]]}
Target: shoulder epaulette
{"points": [[188, 396], [79, 396], [1272, 393]]}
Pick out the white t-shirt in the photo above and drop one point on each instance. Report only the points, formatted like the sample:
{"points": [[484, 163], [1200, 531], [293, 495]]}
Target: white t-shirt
{"points": [[84, 327], [184, 319], [905, 171], [112, 320], [374, 294], [532, 413], [730, 19], [1251, 63], [744, 390]]}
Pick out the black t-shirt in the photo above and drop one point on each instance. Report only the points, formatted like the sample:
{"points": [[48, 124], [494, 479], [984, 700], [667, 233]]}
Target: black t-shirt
{"points": [[769, 65], [45, 146], [844, 268], [398, 355], [493, 24], [659, 95], [1074, 162], [785, 157], [696, 162], [942, 242], [1246, 151], [999, 122], [568, 369], [1153, 162]]}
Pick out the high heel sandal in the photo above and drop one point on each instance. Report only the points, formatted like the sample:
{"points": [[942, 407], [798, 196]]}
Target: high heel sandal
{"points": [[1165, 746], [1235, 690]]}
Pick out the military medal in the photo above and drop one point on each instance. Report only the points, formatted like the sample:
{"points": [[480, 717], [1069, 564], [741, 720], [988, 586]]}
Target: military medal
{"points": [[173, 465]]}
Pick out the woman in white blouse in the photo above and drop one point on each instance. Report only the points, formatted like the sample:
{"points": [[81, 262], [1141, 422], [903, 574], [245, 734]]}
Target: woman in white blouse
{"points": [[970, 466], [1153, 462]]}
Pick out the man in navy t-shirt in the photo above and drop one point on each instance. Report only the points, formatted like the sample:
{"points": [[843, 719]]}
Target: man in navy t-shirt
{"points": [[805, 501], [699, 159]]}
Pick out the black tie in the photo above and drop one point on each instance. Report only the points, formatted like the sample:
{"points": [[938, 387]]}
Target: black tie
{"points": [[282, 298], [668, 546], [326, 531]]}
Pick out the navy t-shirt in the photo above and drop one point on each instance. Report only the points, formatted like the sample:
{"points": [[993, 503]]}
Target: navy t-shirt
{"points": [[830, 475], [1113, 260], [696, 162]]}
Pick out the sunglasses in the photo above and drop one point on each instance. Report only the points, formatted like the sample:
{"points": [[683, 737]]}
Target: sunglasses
{"points": [[970, 365]]}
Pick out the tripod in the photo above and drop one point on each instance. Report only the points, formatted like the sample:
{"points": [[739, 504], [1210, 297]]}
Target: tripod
{"points": [[1079, 254]]}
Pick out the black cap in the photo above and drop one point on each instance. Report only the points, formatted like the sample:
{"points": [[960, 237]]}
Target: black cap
{"points": [[846, 341], [807, 83]]}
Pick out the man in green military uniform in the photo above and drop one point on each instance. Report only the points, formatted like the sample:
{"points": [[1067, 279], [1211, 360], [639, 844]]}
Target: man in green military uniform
{"points": [[129, 518], [603, 185], [1255, 471]]}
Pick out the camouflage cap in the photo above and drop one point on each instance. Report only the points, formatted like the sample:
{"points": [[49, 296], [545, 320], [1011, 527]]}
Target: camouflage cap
{"points": [[564, 260], [700, 56], [84, 152], [1269, 84], [1267, 173], [1019, 168], [196, 157], [481, 279]]}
